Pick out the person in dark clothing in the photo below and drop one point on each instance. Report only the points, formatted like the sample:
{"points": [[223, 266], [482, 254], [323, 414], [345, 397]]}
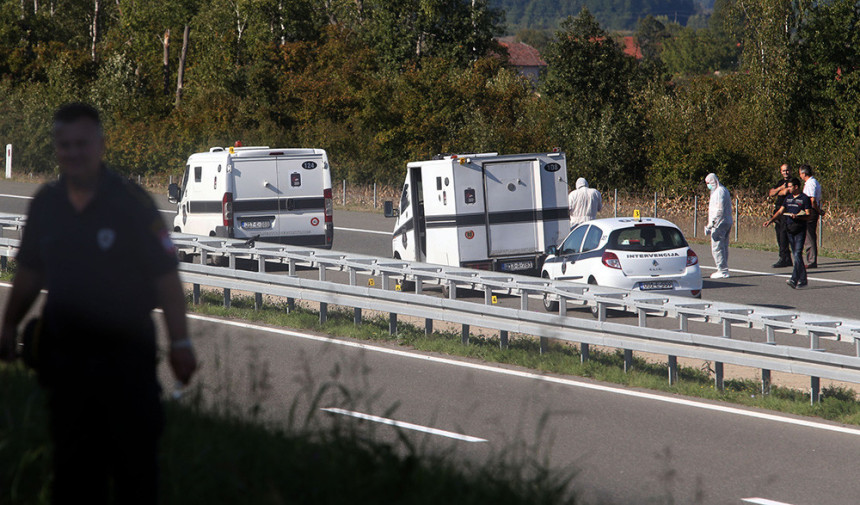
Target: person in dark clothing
{"points": [[795, 212], [780, 190], [99, 246]]}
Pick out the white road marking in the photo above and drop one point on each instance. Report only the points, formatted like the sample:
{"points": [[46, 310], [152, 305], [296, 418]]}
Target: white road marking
{"points": [[401, 424], [544, 378], [375, 232], [763, 501]]}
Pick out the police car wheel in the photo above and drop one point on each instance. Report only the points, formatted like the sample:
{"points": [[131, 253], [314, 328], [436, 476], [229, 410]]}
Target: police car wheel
{"points": [[595, 311], [548, 304]]}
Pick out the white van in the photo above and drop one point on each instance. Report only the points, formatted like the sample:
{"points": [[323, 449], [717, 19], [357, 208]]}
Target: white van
{"points": [[271, 195], [485, 211]]}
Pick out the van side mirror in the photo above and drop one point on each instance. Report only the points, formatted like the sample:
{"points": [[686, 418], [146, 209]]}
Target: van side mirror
{"points": [[173, 193], [552, 250], [389, 210]]}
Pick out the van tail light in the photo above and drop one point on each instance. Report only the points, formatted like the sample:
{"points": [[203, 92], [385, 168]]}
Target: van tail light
{"points": [[692, 259], [611, 260], [227, 209], [329, 205]]}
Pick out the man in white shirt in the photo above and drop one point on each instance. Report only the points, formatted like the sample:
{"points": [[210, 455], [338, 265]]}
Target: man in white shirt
{"points": [[719, 224], [583, 203], [812, 189]]}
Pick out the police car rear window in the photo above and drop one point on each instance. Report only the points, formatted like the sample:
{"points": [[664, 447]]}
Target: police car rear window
{"points": [[646, 239]]}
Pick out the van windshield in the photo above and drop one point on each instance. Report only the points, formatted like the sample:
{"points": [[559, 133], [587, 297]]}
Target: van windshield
{"points": [[646, 239]]}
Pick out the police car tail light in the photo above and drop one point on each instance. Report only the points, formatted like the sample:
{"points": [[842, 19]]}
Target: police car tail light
{"points": [[227, 209], [611, 260], [329, 205], [692, 259]]}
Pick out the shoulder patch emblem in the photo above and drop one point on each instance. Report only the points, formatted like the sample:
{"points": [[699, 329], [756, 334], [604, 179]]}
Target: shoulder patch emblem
{"points": [[106, 237], [166, 243]]}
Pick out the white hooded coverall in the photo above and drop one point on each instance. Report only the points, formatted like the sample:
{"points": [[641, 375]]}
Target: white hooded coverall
{"points": [[583, 203], [719, 222]]}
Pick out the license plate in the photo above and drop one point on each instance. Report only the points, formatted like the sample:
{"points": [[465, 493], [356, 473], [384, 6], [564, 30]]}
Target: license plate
{"points": [[256, 225], [656, 285], [516, 266]]}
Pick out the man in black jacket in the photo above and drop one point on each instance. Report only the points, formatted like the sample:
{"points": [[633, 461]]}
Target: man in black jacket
{"points": [[780, 190]]}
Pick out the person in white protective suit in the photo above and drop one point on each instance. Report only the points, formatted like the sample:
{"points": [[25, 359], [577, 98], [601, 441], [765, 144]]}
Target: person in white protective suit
{"points": [[583, 203], [719, 225]]}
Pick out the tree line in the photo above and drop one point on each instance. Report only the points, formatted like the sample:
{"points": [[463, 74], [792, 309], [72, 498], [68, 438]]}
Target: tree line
{"points": [[378, 83]]}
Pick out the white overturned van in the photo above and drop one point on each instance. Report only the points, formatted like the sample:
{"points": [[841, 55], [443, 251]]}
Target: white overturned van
{"points": [[271, 195], [484, 211]]}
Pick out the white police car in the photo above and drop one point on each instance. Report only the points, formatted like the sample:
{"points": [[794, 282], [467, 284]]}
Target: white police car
{"points": [[646, 254]]}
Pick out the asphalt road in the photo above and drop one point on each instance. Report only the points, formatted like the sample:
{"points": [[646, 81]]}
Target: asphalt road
{"points": [[628, 446]]}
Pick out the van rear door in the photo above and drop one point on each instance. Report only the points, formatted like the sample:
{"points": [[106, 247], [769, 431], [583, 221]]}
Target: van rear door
{"points": [[255, 198], [511, 205], [302, 183]]}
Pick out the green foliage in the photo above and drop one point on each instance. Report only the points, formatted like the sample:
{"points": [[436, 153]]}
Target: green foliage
{"points": [[592, 87], [379, 83]]}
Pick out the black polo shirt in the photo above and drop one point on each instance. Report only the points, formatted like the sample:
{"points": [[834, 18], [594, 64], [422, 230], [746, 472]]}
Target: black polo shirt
{"points": [[99, 265], [779, 198]]}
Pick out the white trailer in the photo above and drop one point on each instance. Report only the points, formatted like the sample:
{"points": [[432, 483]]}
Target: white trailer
{"points": [[485, 211], [272, 195]]}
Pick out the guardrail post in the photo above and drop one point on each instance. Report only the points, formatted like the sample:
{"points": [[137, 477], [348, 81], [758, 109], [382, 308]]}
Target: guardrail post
{"points": [[727, 328], [452, 290], [544, 345], [195, 294], [524, 305], [356, 316], [344, 193], [628, 360], [3, 261], [258, 297], [428, 327], [601, 311], [503, 339], [323, 305], [374, 195], [584, 352], [227, 298], [765, 381], [562, 306], [683, 322], [464, 334], [392, 324], [488, 295], [814, 341], [815, 390], [771, 334], [719, 382], [673, 370], [291, 264], [643, 317]]}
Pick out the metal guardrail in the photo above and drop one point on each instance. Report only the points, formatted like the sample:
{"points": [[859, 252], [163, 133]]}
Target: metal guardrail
{"points": [[764, 352]]}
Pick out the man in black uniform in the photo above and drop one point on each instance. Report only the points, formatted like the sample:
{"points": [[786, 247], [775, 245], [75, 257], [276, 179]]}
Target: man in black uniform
{"points": [[99, 246], [795, 212], [780, 190]]}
